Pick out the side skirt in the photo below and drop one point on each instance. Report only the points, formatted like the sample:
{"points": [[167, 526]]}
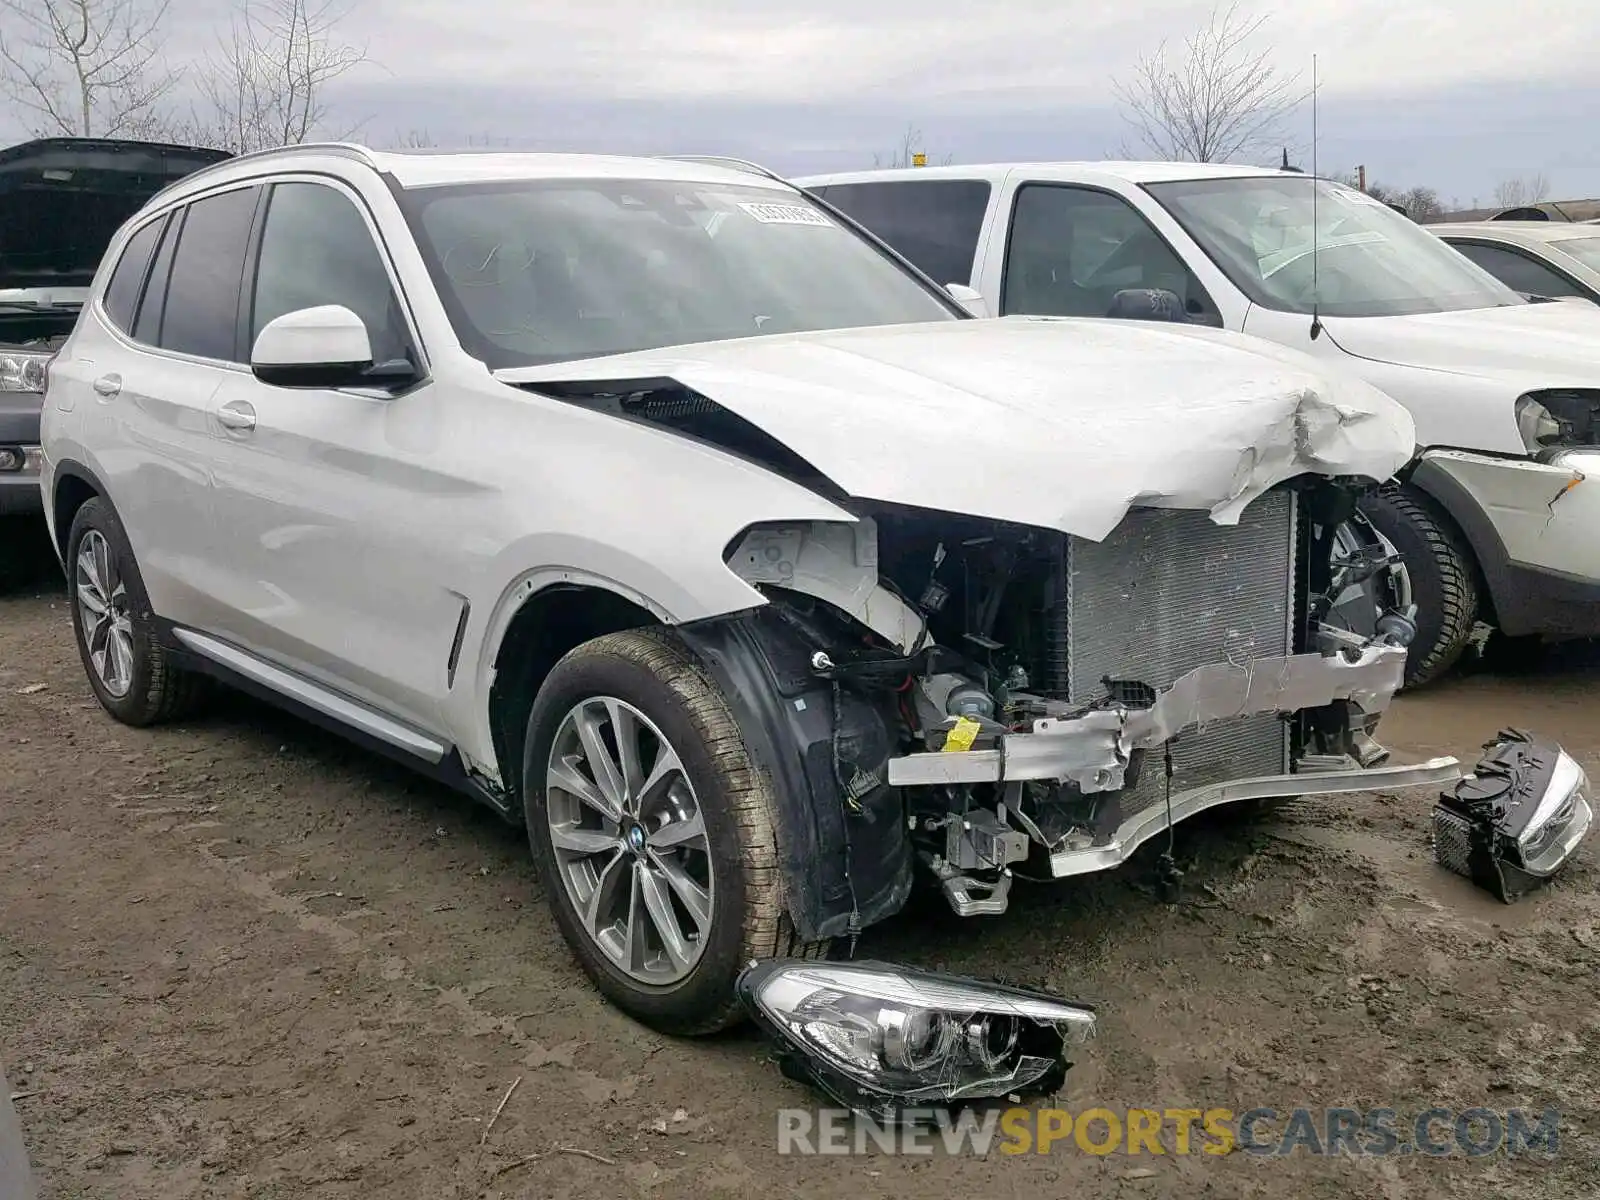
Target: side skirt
{"points": [[350, 719]]}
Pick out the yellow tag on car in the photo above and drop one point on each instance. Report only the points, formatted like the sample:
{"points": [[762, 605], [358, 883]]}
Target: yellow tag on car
{"points": [[962, 735]]}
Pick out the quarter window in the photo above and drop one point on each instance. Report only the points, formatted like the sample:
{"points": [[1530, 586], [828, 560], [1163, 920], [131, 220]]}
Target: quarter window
{"points": [[127, 280], [317, 249], [202, 310], [935, 223], [1072, 249]]}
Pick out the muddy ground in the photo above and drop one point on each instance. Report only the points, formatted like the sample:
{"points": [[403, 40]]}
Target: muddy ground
{"points": [[239, 959]]}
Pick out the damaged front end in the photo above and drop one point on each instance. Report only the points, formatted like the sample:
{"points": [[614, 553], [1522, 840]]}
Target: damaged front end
{"points": [[968, 695]]}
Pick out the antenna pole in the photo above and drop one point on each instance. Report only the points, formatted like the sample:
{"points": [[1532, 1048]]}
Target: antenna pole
{"points": [[1316, 186]]}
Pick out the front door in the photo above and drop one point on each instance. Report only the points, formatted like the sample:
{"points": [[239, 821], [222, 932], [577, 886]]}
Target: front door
{"points": [[330, 501]]}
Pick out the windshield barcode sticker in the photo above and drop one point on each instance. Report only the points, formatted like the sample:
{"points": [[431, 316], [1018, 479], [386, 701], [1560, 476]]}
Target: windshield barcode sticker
{"points": [[786, 214]]}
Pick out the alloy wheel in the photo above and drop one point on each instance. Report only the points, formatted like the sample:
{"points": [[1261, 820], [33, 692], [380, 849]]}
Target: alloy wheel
{"points": [[107, 629], [629, 840]]}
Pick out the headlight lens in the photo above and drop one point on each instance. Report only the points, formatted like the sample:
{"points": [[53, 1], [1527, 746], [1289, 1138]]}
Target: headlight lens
{"points": [[22, 371], [877, 1037], [1538, 428]]}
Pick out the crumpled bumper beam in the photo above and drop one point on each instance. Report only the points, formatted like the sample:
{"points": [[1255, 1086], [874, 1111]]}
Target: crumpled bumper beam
{"points": [[1142, 826], [1092, 750]]}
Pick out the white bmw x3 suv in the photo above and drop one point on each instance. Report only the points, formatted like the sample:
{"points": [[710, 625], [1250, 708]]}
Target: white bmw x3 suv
{"points": [[658, 506]]}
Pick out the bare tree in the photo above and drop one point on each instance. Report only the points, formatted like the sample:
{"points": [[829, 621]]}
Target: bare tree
{"points": [[1220, 99], [263, 86], [1514, 193], [905, 155], [87, 68]]}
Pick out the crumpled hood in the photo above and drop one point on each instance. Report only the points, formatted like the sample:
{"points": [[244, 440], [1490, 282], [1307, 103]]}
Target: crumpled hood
{"points": [[63, 199], [1062, 424], [1545, 345]]}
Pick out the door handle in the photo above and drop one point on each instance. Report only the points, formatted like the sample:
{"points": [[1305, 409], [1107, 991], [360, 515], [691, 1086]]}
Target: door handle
{"points": [[237, 414], [108, 385]]}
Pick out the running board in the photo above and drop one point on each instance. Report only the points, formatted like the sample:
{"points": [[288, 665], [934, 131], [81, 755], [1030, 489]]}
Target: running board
{"points": [[319, 699]]}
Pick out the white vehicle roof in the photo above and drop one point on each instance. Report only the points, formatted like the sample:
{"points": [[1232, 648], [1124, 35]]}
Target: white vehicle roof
{"points": [[1514, 231], [1127, 172], [432, 168]]}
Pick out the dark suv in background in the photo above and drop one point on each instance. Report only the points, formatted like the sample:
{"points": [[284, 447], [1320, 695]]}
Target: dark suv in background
{"points": [[61, 201]]}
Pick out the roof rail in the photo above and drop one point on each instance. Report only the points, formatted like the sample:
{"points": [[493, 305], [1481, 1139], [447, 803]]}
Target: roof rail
{"points": [[737, 164], [343, 149]]}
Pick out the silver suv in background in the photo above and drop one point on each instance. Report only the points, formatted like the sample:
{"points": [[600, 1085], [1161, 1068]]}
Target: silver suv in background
{"points": [[659, 508], [62, 200]]}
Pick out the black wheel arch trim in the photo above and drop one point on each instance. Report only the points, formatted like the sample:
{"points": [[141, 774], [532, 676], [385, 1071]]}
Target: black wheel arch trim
{"points": [[842, 871]]}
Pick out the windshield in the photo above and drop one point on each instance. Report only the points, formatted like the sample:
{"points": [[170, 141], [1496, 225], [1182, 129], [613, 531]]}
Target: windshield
{"points": [[1371, 261], [542, 271], [1585, 249]]}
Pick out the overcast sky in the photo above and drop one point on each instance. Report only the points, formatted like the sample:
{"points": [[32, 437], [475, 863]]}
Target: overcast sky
{"points": [[1456, 94]]}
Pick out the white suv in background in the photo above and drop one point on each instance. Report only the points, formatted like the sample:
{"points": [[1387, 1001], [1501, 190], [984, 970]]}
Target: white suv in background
{"points": [[1495, 519], [654, 506]]}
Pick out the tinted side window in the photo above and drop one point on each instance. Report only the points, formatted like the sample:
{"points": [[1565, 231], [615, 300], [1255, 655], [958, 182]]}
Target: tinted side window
{"points": [[127, 280], [1517, 270], [1071, 250], [316, 249], [202, 311], [935, 223], [147, 325]]}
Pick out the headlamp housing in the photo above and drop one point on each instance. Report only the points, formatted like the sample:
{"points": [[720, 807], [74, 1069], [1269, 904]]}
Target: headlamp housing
{"points": [[878, 1038]]}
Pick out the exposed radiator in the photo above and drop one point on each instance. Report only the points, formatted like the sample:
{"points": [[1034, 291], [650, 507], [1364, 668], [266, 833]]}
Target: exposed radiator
{"points": [[1170, 590]]}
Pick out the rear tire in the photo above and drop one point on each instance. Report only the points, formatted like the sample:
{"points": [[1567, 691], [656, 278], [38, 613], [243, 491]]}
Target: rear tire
{"points": [[133, 675], [662, 872], [1444, 578]]}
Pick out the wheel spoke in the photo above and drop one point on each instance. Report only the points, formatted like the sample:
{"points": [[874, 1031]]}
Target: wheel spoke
{"points": [[103, 567], [659, 907], [605, 887], [89, 596], [601, 764], [666, 768], [121, 657], [625, 731], [694, 897], [583, 841], [679, 833], [565, 775], [633, 943]]}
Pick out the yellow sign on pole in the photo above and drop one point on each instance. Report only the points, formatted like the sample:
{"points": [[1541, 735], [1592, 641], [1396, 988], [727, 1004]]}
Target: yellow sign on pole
{"points": [[919, 159]]}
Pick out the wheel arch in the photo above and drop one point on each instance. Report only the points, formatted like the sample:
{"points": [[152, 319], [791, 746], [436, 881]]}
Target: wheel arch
{"points": [[547, 624], [72, 486]]}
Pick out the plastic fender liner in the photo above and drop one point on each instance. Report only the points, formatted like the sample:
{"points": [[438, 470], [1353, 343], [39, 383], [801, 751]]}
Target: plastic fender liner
{"points": [[842, 856]]}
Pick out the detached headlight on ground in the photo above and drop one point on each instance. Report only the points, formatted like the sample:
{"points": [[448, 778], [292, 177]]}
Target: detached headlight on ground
{"points": [[877, 1038], [1517, 819]]}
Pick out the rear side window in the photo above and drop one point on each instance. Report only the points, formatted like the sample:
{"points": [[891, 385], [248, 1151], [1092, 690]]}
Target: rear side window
{"points": [[127, 281], [935, 223], [202, 310], [1518, 270]]}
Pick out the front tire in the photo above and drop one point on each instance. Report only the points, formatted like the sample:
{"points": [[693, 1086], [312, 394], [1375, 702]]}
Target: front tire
{"points": [[133, 675], [652, 831], [1444, 578]]}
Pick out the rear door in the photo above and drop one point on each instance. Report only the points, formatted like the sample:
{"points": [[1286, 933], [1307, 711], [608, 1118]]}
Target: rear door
{"points": [[936, 223], [152, 394]]}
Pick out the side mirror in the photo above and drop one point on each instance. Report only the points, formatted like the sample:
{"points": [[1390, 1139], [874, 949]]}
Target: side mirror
{"points": [[322, 347], [969, 298]]}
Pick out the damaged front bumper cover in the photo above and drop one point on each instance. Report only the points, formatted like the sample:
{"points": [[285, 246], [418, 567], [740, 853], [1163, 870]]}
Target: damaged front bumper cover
{"points": [[1093, 750]]}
